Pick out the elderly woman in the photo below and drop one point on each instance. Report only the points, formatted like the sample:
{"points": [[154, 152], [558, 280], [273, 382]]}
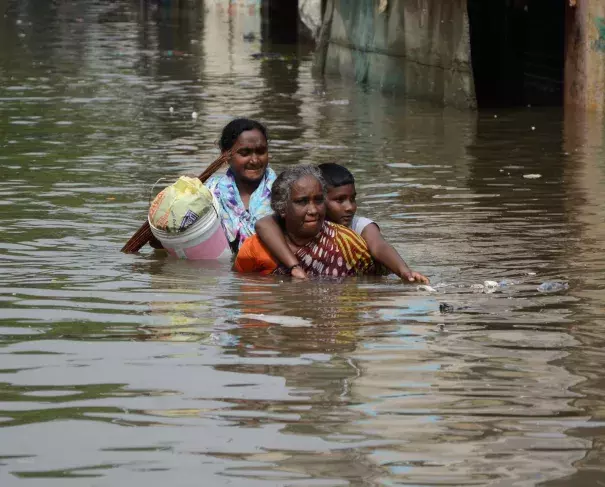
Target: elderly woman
{"points": [[322, 248], [244, 191]]}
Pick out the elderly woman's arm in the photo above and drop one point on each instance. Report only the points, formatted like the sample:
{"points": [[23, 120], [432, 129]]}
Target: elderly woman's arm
{"points": [[272, 236]]}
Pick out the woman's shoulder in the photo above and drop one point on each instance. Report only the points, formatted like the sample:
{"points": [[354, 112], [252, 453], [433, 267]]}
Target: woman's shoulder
{"points": [[339, 229], [270, 177], [345, 234], [353, 248], [214, 181]]}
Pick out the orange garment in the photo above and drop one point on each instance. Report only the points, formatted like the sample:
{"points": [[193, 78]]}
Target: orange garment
{"points": [[253, 256]]}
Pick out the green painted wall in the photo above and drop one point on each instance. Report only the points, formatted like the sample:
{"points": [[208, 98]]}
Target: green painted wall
{"points": [[420, 48]]}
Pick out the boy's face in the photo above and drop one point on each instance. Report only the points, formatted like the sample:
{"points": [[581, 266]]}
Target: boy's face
{"points": [[340, 204]]}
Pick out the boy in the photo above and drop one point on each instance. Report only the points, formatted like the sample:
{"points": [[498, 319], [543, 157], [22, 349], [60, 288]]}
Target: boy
{"points": [[340, 208]]}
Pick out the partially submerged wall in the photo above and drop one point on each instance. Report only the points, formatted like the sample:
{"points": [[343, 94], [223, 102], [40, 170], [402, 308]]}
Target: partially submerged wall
{"points": [[417, 47], [585, 55], [310, 12]]}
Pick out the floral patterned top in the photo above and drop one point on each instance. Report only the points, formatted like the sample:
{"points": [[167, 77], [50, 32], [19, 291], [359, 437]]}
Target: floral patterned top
{"points": [[237, 221]]}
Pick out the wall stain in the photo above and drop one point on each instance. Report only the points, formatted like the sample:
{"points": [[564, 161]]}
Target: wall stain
{"points": [[599, 43]]}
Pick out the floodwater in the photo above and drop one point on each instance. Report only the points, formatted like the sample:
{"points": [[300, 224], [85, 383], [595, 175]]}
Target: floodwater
{"points": [[142, 370]]}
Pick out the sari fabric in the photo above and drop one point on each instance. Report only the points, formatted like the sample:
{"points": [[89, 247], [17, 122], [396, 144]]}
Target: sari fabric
{"points": [[336, 251], [237, 221]]}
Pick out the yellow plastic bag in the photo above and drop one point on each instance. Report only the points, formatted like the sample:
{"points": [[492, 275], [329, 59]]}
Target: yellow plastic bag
{"points": [[180, 205]]}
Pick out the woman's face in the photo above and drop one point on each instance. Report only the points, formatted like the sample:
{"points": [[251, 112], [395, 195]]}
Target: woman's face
{"points": [[250, 160], [306, 210]]}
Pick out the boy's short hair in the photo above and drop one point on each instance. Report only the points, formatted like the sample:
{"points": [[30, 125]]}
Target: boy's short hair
{"points": [[336, 175]]}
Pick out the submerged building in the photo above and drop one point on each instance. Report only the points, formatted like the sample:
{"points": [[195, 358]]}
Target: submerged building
{"points": [[470, 53]]}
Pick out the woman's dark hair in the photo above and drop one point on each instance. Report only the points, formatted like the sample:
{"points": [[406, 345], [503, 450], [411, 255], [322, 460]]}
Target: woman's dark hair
{"points": [[336, 175], [234, 129], [282, 186]]}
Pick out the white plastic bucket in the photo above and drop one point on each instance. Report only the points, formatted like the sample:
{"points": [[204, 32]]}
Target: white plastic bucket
{"points": [[204, 240]]}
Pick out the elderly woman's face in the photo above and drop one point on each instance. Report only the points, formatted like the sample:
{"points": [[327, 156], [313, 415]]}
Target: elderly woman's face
{"points": [[306, 210], [250, 160]]}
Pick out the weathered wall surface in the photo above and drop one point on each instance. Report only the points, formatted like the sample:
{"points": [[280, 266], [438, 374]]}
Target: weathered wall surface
{"points": [[417, 47], [585, 56], [309, 12]]}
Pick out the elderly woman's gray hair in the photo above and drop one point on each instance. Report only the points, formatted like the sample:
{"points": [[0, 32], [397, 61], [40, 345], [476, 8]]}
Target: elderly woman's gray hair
{"points": [[282, 186]]}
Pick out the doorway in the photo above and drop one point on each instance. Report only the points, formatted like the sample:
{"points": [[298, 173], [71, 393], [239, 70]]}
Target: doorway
{"points": [[517, 51]]}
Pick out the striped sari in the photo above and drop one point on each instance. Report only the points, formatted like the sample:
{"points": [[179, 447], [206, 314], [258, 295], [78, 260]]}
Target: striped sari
{"points": [[336, 251]]}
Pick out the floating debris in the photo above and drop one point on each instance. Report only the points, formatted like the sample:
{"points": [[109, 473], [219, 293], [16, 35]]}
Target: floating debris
{"points": [[424, 287], [338, 102], [490, 286], [270, 56], [288, 321], [507, 282], [194, 115], [532, 176], [446, 308], [553, 286]]}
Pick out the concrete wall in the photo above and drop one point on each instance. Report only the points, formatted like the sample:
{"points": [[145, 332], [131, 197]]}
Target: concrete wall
{"points": [[585, 55], [309, 12], [417, 47]]}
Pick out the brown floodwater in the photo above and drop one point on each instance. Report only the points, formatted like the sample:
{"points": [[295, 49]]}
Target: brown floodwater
{"points": [[142, 370]]}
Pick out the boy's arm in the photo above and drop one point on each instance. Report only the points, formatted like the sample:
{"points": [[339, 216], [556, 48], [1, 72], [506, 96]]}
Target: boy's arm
{"points": [[384, 253], [272, 236]]}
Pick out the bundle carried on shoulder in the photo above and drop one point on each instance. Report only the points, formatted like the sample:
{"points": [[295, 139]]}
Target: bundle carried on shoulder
{"points": [[180, 205], [184, 218]]}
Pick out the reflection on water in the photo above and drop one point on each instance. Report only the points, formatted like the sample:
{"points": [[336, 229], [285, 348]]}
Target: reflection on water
{"points": [[137, 368]]}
